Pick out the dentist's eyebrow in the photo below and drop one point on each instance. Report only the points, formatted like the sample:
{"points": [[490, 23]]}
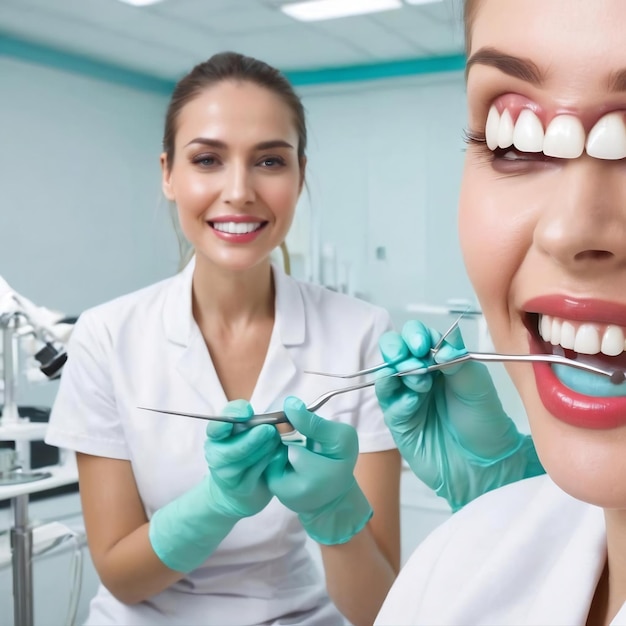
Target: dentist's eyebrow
{"points": [[276, 143], [524, 69], [211, 143], [220, 145]]}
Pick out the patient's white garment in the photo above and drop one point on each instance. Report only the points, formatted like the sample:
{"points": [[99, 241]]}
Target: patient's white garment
{"points": [[145, 349], [523, 554]]}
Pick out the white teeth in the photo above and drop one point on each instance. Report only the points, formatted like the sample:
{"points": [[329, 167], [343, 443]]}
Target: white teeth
{"points": [[607, 139], [613, 341], [555, 332], [568, 335], [564, 138], [586, 339], [236, 228], [505, 130], [491, 128], [528, 132]]}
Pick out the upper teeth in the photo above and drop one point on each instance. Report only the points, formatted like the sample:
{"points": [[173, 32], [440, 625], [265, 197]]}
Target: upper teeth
{"points": [[585, 339], [563, 138], [236, 228]]}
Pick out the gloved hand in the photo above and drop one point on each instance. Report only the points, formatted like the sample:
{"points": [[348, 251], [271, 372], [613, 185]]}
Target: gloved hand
{"points": [[450, 426], [186, 531], [316, 481]]}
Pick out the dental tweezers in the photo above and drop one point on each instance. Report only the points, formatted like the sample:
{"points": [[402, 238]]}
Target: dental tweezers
{"points": [[278, 417]]}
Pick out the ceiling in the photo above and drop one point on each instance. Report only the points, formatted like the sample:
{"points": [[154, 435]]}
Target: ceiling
{"points": [[165, 40]]}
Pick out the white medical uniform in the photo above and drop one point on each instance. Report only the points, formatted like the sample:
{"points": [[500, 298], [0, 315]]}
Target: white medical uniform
{"points": [[524, 554], [145, 350]]}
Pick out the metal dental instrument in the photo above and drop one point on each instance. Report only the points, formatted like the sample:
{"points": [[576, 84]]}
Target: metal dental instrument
{"points": [[278, 417], [274, 417], [377, 368]]}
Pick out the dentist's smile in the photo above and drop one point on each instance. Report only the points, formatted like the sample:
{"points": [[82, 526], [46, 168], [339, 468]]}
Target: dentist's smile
{"points": [[237, 228]]}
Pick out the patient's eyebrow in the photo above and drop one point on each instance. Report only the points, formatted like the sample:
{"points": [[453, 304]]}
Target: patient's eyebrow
{"points": [[617, 81], [516, 67], [526, 70]]}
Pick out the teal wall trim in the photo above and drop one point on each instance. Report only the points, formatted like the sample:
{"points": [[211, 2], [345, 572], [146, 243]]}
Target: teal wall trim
{"points": [[376, 71], [49, 56]]}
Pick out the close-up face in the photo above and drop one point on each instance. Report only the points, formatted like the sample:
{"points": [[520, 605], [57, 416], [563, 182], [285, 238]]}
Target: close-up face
{"points": [[235, 175], [543, 221]]}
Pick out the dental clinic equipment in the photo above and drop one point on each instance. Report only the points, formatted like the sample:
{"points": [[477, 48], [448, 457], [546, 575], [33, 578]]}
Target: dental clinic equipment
{"points": [[44, 335], [278, 417], [617, 376], [44, 332], [380, 366], [41, 336]]}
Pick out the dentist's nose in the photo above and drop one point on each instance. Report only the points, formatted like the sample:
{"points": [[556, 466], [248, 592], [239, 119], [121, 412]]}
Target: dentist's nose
{"points": [[238, 187], [582, 225]]}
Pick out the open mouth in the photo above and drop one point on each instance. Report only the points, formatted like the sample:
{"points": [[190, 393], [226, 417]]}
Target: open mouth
{"points": [[237, 228], [601, 345]]}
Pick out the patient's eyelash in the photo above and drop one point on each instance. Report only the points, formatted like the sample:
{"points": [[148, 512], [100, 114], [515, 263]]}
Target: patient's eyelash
{"points": [[477, 140], [472, 137]]}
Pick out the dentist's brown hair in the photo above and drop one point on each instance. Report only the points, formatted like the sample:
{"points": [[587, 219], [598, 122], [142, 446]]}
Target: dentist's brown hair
{"points": [[231, 66]]}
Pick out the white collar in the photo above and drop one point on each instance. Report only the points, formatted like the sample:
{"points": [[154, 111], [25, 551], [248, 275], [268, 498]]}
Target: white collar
{"points": [[289, 306]]}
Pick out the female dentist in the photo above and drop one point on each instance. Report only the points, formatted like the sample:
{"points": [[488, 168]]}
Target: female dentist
{"points": [[182, 535], [174, 543]]}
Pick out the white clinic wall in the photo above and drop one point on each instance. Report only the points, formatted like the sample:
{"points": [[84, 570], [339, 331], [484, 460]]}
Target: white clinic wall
{"points": [[82, 218], [385, 161]]}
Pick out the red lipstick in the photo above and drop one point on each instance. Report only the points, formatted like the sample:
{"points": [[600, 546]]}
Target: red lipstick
{"points": [[577, 309], [564, 403]]}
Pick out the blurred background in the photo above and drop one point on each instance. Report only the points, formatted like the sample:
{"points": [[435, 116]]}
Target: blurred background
{"points": [[83, 89]]}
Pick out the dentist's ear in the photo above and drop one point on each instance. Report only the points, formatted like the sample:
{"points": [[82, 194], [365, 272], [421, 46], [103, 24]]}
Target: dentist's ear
{"points": [[166, 174], [303, 161]]}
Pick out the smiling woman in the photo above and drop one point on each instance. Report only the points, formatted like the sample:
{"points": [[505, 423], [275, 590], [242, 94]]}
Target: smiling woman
{"points": [[194, 526], [234, 172], [542, 222]]}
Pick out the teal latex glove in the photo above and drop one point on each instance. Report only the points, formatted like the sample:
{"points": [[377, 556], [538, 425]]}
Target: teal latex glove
{"points": [[316, 481], [187, 530], [450, 426]]}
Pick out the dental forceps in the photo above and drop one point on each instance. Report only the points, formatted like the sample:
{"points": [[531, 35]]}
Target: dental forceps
{"points": [[278, 417]]}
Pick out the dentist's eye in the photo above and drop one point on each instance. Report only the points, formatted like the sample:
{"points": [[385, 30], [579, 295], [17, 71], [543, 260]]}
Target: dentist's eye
{"points": [[205, 160], [272, 162]]}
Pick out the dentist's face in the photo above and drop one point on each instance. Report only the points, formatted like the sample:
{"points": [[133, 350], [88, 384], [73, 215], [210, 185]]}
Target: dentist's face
{"points": [[235, 177], [543, 224]]}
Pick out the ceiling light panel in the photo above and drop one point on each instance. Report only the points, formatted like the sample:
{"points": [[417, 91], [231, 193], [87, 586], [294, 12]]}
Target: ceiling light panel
{"points": [[316, 10], [140, 3]]}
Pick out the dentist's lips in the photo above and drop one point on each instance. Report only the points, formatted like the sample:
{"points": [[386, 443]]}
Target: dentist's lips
{"points": [[572, 407]]}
